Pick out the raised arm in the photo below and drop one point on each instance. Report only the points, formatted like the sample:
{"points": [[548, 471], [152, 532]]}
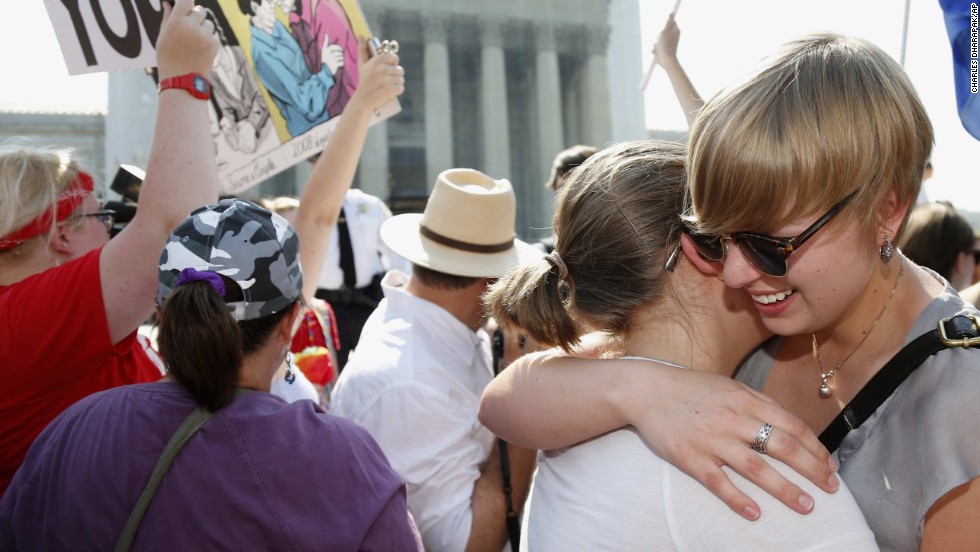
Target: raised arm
{"points": [[381, 80], [694, 420], [180, 175], [665, 52]]}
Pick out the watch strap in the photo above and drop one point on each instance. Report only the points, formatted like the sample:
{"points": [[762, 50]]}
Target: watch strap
{"points": [[194, 83]]}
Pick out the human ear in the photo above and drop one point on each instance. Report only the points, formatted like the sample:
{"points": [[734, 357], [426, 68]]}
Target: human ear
{"points": [[892, 214], [60, 241], [290, 323]]}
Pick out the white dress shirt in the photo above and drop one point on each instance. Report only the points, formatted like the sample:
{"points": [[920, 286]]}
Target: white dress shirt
{"points": [[415, 383]]}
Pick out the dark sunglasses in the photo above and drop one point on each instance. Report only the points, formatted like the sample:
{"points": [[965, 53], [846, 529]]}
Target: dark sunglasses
{"points": [[106, 216], [767, 254]]}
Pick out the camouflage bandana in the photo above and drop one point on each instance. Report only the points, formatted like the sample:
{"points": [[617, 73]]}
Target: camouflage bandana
{"points": [[255, 248]]}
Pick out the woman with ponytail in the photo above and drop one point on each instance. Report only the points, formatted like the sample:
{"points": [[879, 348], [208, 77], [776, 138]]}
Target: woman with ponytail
{"points": [[619, 267], [246, 470]]}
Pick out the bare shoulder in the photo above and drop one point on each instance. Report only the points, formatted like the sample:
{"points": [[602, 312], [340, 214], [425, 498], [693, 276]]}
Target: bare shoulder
{"points": [[971, 294]]}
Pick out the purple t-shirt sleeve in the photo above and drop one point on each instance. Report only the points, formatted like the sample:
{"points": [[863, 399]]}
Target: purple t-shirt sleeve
{"points": [[394, 529]]}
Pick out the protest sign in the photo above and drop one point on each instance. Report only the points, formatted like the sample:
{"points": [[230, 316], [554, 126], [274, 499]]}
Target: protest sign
{"points": [[280, 81]]}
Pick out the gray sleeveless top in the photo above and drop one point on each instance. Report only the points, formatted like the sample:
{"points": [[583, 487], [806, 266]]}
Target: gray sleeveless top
{"points": [[921, 443]]}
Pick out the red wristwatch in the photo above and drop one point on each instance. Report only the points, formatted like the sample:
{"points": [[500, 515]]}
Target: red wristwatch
{"points": [[193, 83]]}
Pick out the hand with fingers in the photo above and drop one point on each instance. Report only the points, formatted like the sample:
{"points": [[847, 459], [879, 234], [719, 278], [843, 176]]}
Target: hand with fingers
{"points": [[188, 40], [700, 422], [665, 55], [332, 55], [665, 49], [246, 137], [380, 80]]}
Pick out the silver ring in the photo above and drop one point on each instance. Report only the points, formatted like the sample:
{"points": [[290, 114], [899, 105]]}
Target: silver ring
{"points": [[388, 47], [762, 438]]}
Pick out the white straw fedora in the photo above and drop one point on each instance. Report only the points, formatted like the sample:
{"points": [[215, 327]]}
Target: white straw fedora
{"points": [[467, 228]]}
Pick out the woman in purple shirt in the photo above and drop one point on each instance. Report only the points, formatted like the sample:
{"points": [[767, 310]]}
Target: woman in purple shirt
{"points": [[255, 473]]}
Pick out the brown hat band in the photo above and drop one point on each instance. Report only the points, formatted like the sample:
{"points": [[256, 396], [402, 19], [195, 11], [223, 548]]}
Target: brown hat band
{"points": [[465, 246]]}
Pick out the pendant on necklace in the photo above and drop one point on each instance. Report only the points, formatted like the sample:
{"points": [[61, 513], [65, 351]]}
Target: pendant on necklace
{"points": [[825, 390]]}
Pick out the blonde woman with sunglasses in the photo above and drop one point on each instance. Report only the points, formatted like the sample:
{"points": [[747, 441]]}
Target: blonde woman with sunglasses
{"points": [[800, 177]]}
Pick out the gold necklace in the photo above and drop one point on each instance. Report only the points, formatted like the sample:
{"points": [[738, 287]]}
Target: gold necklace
{"points": [[825, 390]]}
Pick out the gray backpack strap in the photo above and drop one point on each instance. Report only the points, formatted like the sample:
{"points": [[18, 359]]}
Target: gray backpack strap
{"points": [[177, 442]]}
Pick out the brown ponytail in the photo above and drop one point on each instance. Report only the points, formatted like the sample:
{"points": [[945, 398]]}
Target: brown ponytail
{"points": [[617, 218], [530, 296], [202, 343]]}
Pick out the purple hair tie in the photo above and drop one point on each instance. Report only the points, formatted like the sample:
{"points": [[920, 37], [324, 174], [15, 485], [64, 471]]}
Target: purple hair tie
{"points": [[213, 279]]}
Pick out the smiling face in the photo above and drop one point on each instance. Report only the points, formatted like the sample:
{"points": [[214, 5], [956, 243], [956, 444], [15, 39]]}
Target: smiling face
{"points": [[826, 281], [827, 118]]}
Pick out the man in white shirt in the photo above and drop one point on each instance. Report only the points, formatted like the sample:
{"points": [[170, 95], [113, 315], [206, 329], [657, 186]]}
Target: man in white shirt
{"points": [[416, 378], [356, 261]]}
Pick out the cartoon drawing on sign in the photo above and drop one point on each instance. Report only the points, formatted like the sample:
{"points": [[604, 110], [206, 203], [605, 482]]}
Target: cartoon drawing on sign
{"points": [[280, 82], [300, 95], [315, 23], [241, 124], [240, 111]]}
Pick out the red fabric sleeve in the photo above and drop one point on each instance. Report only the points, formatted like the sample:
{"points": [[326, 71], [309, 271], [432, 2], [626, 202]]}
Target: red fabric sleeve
{"points": [[55, 349]]}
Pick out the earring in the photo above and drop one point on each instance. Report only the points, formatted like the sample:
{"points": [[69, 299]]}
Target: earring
{"points": [[290, 369], [887, 251]]}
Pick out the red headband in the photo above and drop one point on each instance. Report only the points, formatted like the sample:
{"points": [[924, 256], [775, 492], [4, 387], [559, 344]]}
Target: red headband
{"points": [[68, 201]]}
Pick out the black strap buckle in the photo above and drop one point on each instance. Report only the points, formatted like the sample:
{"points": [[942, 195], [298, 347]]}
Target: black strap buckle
{"points": [[965, 331]]}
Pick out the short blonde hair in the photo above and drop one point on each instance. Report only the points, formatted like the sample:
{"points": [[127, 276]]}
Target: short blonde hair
{"points": [[828, 116], [30, 181]]}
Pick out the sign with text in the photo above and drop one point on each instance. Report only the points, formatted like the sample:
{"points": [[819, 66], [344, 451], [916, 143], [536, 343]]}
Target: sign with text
{"points": [[280, 81], [105, 36]]}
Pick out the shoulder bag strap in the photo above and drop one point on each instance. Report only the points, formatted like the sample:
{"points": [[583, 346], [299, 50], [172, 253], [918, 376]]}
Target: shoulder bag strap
{"points": [[513, 522], [183, 434], [187, 429], [958, 331]]}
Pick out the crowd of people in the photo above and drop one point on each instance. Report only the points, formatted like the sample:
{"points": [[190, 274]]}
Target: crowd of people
{"points": [[654, 375]]}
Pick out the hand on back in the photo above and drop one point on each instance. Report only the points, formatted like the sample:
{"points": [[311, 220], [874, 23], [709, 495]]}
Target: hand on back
{"points": [[708, 421]]}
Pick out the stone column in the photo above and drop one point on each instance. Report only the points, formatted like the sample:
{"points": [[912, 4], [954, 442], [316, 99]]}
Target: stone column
{"points": [[373, 174], [493, 100], [597, 115], [438, 97], [550, 129], [129, 124]]}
